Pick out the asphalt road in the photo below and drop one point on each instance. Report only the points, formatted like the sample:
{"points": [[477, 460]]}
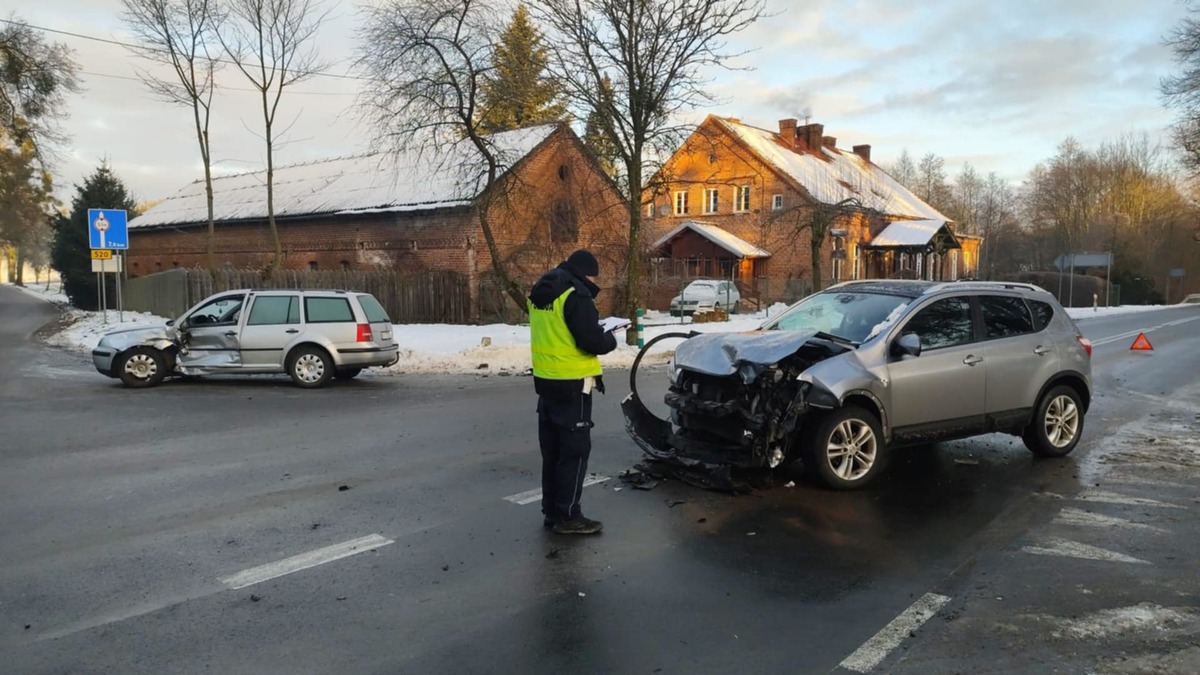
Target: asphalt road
{"points": [[131, 522]]}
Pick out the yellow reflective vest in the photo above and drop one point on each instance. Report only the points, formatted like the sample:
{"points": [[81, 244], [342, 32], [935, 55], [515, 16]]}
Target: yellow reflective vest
{"points": [[555, 356]]}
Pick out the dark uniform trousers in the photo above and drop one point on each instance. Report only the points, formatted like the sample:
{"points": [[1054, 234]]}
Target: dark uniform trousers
{"points": [[565, 435]]}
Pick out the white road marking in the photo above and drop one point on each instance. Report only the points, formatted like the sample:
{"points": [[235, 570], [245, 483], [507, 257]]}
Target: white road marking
{"points": [[531, 496], [875, 650], [1072, 549], [1114, 498], [256, 575], [1079, 517], [1133, 334]]}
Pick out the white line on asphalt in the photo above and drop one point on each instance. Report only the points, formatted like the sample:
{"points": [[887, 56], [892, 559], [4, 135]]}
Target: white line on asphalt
{"points": [[875, 650], [531, 496], [1134, 333], [1072, 549], [256, 575], [1081, 518], [1114, 498]]}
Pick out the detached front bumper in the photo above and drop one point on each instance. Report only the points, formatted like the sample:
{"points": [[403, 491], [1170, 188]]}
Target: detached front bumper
{"points": [[658, 438]]}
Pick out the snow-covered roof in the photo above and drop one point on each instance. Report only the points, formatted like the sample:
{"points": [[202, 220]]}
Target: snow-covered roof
{"points": [[408, 181], [909, 233], [732, 243], [834, 175]]}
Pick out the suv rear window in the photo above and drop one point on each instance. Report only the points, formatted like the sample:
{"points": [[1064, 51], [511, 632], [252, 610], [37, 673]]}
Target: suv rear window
{"points": [[328, 310], [374, 311], [1043, 313], [1005, 316]]}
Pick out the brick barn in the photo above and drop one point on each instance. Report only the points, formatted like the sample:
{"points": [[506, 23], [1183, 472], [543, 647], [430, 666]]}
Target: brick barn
{"points": [[735, 202], [411, 213]]}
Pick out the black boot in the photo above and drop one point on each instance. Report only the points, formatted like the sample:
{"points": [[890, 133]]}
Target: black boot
{"points": [[578, 525]]}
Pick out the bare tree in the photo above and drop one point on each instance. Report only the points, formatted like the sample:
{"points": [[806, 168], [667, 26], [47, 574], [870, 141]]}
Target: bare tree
{"points": [[655, 53], [426, 62], [35, 78], [181, 34], [270, 41]]}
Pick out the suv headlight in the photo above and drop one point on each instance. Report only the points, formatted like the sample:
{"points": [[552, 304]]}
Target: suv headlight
{"points": [[672, 371]]}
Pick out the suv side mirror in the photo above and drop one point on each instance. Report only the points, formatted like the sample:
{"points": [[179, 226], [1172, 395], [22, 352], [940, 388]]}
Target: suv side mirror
{"points": [[909, 344]]}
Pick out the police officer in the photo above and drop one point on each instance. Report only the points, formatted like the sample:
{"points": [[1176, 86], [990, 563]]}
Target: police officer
{"points": [[565, 340]]}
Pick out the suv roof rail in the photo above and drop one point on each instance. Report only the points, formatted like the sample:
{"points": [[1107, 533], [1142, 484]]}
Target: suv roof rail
{"points": [[1012, 285]]}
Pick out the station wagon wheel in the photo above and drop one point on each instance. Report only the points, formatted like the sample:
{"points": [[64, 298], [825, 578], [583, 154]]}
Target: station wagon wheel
{"points": [[141, 367], [310, 367], [844, 449], [1057, 423]]}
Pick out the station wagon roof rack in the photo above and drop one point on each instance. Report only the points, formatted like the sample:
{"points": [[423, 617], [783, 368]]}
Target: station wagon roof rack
{"points": [[982, 285]]}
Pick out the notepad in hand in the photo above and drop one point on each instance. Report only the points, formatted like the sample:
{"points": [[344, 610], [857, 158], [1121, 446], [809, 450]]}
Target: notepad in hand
{"points": [[613, 323]]}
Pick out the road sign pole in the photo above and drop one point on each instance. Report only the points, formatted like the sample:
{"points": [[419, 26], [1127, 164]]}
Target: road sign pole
{"points": [[120, 290], [103, 294]]}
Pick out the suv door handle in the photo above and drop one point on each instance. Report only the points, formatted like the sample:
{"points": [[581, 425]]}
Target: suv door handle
{"points": [[292, 330], [232, 333], [973, 360], [1040, 350]]}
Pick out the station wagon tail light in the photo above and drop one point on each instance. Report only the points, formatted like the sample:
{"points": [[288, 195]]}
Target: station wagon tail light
{"points": [[364, 334], [1087, 344]]}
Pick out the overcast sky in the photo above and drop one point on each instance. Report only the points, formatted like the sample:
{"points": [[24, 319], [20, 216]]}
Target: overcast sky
{"points": [[995, 84]]}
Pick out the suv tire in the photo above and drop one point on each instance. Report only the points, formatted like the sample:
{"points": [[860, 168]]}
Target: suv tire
{"points": [[845, 449], [141, 367], [309, 367], [1057, 423]]}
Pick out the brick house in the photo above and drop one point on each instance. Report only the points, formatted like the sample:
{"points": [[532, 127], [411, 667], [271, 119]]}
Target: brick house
{"points": [[412, 213], [736, 201]]}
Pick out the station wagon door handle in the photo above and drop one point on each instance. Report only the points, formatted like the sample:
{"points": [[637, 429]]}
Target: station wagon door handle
{"points": [[1040, 350], [973, 360], [232, 333], [292, 330]]}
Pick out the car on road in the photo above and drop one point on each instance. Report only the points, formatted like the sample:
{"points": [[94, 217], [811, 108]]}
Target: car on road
{"points": [[846, 375], [312, 335], [706, 295], [1191, 299]]}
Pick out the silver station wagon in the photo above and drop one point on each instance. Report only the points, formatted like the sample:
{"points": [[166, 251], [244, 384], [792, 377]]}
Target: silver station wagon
{"points": [[845, 375], [311, 335]]}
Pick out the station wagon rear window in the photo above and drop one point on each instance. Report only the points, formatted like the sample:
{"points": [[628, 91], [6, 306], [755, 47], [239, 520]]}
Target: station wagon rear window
{"points": [[328, 310], [374, 311]]}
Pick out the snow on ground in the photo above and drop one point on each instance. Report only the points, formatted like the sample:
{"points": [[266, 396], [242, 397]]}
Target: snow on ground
{"points": [[443, 348]]}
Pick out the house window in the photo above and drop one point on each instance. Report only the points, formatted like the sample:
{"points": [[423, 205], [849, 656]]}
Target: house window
{"points": [[777, 202], [564, 223], [345, 265], [920, 260], [312, 266], [681, 203], [953, 265], [650, 210], [741, 199], [710, 200]]}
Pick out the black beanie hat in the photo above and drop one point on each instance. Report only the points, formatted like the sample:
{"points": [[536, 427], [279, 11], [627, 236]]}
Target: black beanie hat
{"points": [[585, 263]]}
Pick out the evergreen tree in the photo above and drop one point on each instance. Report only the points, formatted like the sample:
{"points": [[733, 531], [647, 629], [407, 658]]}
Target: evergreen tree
{"points": [[70, 254], [596, 136], [518, 92]]}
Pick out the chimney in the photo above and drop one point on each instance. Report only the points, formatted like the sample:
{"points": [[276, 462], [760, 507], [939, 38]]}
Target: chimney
{"points": [[863, 151], [829, 142], [810, 134], [787, 132]]}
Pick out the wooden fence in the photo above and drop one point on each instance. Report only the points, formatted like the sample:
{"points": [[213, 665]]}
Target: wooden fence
{"points": [[428, 297]]}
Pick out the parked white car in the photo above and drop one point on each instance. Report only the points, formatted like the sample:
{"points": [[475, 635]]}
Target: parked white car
{"points": [[706, 295]]}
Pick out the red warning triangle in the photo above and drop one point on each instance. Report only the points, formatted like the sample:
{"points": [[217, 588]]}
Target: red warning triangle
{"points": [[1141, 343]]}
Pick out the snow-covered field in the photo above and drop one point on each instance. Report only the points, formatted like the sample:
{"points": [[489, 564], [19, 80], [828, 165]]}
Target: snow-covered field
{"points": [[441, 348]]}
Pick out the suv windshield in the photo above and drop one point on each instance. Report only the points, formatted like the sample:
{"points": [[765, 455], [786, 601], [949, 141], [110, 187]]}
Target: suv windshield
{"points": [[852, 316]]}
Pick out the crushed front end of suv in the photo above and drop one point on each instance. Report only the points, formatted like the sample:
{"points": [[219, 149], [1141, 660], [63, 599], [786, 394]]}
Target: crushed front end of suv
{"points": [[845, 375]]}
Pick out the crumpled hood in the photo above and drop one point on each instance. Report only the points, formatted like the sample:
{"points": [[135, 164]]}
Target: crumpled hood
{"points": [[724, 354], [127, 337]]}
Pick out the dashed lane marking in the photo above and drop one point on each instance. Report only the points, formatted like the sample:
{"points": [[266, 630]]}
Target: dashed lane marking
{"points": [[531, 496], [875, 650], [1081, 518], [257, 575], [1066, 548], [1114, 498]]}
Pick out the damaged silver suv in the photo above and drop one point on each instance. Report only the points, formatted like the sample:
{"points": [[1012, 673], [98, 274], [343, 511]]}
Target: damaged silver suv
{"points": [[845, 375]]}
